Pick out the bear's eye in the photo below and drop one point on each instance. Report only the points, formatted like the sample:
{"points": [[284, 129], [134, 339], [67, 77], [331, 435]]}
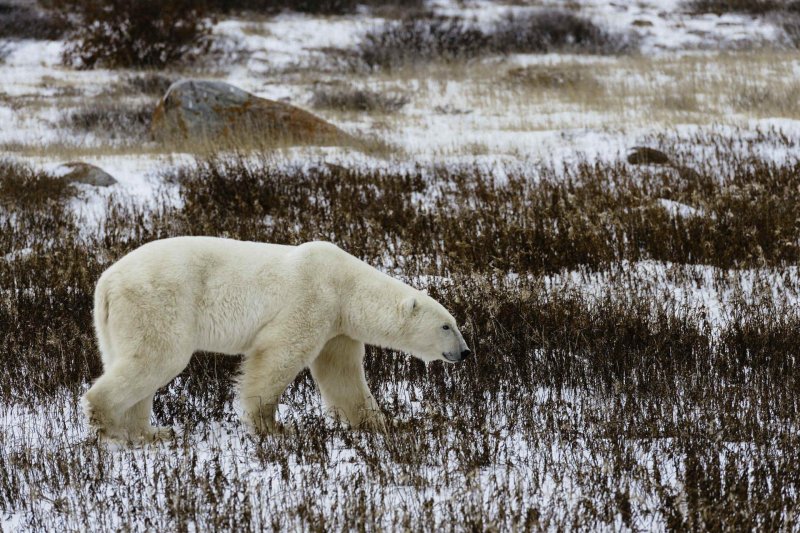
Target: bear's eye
{"points": [[445, 327]]}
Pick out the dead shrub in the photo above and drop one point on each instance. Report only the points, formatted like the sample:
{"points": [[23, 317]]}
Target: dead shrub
{"points": [[555, 31], [23, 187], [111, 120], [319, 7], [587, 215], [150, 84], [753, 7], [791, 27], [424, 40], [419, 41], [361, 100], [141, 34], [27, 21]]}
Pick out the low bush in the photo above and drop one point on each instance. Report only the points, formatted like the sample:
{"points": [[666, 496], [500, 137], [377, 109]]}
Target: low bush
{"points": [[23, 187], [587, 215], [150, 84], [790, 23], [324, 7], [141, 34], [320, 7], [422, 40], [357, 100], [753, 7], [555, 31], [115, 121], [419, 41], [26, 21]]}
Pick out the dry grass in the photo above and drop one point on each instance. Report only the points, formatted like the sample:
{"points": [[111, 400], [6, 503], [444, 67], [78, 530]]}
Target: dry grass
{"points": [[625, 92], [129, 123], [773, 100], [152, 84], [606, 93], [357, 100], [555, 77], [612, 93]]}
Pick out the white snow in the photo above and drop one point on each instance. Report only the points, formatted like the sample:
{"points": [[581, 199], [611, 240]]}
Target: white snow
{"points": [[678, 209]]}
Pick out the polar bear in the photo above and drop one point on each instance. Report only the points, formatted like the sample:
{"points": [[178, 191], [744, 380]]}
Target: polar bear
{"points": [[284, 307]]}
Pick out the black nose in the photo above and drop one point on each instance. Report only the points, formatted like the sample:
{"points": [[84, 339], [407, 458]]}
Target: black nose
{"points": [[466, 353]]}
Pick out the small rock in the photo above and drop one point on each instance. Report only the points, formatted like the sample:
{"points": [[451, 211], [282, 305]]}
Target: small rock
{"points": [[79, 172], [642, 155], [641, 23], [203, 110]]}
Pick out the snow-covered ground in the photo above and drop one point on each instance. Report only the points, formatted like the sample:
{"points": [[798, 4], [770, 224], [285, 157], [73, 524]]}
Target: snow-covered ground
{"points": [[226, 449]]}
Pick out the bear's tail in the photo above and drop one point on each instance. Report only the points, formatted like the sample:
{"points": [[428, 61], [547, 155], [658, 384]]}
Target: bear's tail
{"points": [[101, 316]]}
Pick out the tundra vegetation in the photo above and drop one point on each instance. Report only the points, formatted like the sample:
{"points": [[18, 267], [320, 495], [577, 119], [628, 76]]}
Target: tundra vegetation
{"points": [[635, 326], [618, 406]]}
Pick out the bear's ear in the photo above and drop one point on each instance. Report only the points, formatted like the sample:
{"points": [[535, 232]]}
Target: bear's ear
{"points": [[410, 305]]}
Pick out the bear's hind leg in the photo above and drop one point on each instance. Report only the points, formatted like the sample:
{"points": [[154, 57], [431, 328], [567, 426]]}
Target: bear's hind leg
{"points": [[106, 403], [339, 374], [118, 405]]}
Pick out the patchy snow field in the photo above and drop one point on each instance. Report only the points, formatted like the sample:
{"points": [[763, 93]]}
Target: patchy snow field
{"points": [[686, 76], [569, 454]]}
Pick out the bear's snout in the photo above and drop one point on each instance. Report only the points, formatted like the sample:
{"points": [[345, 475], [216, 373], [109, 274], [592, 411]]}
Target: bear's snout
{"points": [[457, 357]]}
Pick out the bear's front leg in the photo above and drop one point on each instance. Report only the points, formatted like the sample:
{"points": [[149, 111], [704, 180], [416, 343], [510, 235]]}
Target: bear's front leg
{"points": [[339, 374], [265, 375]]}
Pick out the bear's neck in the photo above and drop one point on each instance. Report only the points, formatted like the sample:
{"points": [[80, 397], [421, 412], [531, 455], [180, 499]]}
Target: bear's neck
{"points": [[371, 309]]}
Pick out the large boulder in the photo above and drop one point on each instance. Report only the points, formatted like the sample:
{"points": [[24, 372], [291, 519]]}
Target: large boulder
{"points": [[202, 110]]}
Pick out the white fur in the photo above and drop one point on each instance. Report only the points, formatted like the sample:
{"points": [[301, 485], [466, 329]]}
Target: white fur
{"points": [[284, 307]]}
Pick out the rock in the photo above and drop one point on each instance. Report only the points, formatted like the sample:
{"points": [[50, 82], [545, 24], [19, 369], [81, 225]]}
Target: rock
{"points": [[202, 110], [79, 172], [642, 155]]}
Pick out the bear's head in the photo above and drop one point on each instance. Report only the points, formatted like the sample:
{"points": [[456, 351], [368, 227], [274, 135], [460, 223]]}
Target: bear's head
{"points": [[431, 331]]}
